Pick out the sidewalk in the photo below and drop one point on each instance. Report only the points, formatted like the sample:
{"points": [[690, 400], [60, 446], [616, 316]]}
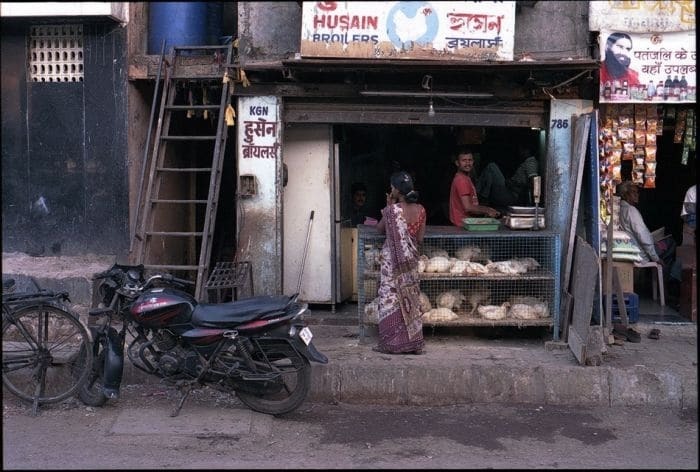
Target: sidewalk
{"points": [[459, 366], [467, 368]]}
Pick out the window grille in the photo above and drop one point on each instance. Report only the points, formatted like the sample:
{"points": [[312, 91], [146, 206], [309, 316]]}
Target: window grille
{"points": [[56, 53]]}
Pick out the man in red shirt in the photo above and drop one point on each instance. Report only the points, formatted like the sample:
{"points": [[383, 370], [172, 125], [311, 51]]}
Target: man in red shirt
{"points": [[616, 66], [463, 199]]}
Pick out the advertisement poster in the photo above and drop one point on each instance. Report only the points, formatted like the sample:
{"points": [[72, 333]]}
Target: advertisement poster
{"points": [[474, 30], [647, 67]]}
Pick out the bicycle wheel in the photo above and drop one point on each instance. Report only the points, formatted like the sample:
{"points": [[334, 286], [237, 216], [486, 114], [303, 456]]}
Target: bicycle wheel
{"points": [[41, 353]]}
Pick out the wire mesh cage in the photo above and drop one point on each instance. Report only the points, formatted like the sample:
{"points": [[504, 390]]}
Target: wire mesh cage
{"points": [[486, 278]]}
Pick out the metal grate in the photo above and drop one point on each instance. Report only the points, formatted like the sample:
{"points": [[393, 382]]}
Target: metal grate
{"points": [[56, 53], [227, 278], [463, 288]]}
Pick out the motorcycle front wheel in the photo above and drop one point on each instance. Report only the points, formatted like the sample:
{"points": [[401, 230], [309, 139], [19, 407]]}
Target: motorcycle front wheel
{"points": [[91, 392], [291, 385]]}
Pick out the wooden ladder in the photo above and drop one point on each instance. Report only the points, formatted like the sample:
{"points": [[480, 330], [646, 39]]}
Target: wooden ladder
{"points": [[175, 224]]}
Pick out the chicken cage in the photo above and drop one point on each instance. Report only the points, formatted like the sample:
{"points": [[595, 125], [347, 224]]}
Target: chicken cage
{"points": [[494, 278]]}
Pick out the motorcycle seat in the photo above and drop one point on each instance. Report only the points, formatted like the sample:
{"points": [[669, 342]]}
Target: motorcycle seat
{"points": [[221, 315]]}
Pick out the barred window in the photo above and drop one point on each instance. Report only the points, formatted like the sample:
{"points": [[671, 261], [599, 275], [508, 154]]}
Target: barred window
{"points": [[56, 53]]}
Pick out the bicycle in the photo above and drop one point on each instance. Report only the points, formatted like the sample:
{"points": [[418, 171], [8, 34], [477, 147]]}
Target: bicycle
{"points": [[45, 347]]}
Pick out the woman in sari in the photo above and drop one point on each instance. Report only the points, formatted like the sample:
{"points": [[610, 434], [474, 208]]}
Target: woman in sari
{"points": [[403, 222]]}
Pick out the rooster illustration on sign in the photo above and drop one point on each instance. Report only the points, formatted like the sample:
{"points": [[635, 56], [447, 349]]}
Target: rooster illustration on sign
{"points": [[410, 23]]}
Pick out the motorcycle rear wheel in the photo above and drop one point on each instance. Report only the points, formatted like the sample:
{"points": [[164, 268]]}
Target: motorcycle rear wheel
{"points": [[295, 373]]}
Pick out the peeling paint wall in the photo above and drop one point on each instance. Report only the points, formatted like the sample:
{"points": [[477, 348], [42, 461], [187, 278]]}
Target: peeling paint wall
{"points": [[259, 168], [268, 30]]}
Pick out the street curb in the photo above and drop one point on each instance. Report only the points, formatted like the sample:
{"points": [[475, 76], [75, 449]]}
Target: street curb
{"points": [[437, 385]]}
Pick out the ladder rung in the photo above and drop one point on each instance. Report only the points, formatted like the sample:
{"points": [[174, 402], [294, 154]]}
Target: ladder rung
{"points": [[178, 201], [189, 138], [174, 233], [200, 76], [173, 267], [192, 107], [184, 169], [190, 48]]}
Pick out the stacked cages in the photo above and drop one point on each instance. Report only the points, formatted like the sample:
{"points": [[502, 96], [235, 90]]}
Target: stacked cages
{"points": [[495, 278]]}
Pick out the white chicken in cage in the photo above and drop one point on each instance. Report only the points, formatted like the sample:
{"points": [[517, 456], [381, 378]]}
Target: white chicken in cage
{"points": [[451, 299], [493, 312], [530, 263], [468, 268], [422, 263], [437, 315], [509, 267], [522, 311], [528, 308], [468, 253], [431, 252], [424, 303], [438, 264], [478, 297]]}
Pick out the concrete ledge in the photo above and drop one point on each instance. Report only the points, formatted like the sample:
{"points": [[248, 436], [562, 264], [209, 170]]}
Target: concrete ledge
{"points": [[72, 274], [642, 386]]}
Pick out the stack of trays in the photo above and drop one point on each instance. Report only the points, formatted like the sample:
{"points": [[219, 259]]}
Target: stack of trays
{"points": [[523, 217], [481, 224]]}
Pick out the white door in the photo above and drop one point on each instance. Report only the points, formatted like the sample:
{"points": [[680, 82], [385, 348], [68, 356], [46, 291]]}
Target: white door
{"points": [[308, 152]]}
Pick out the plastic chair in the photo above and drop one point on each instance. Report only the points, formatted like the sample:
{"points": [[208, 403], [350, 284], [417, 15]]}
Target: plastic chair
{"points": [[657, 283]]}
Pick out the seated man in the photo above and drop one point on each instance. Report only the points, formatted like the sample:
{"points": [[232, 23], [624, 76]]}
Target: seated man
{"points": [[631, 221], [492, 186], [359, 204], [464, 201], [688, 216]]}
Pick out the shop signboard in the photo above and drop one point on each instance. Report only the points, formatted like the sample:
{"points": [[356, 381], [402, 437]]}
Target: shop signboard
{"points": [[473, 30], [647, 67], [642, 16]]}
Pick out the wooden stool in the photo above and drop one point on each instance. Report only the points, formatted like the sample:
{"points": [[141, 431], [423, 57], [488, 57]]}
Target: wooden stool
{"points": [[657, 283]]}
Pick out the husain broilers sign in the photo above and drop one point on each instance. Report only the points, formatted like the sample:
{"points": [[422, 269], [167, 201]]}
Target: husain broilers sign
{"points": [[475, 31]]}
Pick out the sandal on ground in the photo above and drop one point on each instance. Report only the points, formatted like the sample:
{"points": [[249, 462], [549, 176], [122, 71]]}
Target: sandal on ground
{"points": [[654, 334], [633, 336], [620, 332]]}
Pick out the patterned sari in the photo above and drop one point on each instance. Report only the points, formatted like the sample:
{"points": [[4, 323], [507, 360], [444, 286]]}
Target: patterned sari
{"points": [[400, 326]]}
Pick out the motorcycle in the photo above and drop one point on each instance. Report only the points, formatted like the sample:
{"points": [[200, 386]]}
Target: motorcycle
{"points": [[258, 348]]}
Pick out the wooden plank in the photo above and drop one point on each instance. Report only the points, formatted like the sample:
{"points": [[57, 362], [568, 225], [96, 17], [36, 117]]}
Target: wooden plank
{"points": [[583, 292], [577, 346]]}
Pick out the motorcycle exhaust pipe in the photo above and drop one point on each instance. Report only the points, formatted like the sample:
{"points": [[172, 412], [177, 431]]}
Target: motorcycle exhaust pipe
{"points": [[114, 363]]}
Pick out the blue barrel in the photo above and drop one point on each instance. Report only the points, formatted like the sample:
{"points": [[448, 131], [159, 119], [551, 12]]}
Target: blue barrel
{"points": [[178, 23]]}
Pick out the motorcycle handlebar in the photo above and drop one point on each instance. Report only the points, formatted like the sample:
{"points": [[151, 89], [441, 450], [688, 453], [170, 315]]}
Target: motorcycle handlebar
{"points": [[168, 278]]}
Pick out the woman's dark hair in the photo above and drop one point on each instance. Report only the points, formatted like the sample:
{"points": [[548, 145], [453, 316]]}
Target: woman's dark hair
{"points": [[403, 182]]}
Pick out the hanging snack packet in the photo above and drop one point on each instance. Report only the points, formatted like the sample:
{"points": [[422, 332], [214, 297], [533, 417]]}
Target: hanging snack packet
{"points": [[638, 177], [650, 155], [652, 124]]}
